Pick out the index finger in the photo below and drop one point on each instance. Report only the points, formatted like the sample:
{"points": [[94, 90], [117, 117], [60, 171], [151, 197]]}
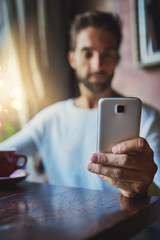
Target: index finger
{"points": [[133, 145], [127, 161]]}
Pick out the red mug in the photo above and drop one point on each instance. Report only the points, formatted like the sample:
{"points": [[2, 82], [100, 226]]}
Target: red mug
{"points": [[10, 161]]}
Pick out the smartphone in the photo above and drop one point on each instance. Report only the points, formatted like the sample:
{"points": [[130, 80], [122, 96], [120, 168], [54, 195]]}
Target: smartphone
{"points": [[118, 120]]}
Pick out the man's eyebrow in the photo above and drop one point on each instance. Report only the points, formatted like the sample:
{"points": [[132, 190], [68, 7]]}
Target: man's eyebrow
{"points": [[109, 48], [87, 49], [91, 48]]}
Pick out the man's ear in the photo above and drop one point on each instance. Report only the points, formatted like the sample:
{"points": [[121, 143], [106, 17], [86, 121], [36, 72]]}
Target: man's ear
{"points": [[71, 58]]}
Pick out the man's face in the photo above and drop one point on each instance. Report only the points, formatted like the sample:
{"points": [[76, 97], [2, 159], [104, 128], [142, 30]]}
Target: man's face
{"points": [[94, 58]]}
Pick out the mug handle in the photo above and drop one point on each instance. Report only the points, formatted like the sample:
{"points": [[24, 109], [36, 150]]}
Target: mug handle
{"points": [[21, 160]]}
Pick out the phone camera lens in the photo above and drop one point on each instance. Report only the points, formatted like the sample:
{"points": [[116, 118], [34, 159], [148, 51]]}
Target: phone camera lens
{"points": [[120, 108]]}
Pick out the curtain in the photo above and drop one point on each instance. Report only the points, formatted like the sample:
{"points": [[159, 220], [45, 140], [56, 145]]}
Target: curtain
{"points": [[38, 30]]}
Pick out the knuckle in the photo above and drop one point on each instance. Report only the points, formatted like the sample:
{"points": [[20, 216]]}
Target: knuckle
{"points": [[151, 153], [100, 170], [125, 159], [149, 178], [152, 168], [102, 158], [142, 143], [117, 174], [155, 168]]}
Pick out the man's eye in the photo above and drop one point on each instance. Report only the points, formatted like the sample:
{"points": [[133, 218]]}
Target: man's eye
{"points": [[88, 55], [109, 55]]}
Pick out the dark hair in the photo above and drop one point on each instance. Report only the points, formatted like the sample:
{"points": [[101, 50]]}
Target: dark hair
{"points": [[102, 20]]}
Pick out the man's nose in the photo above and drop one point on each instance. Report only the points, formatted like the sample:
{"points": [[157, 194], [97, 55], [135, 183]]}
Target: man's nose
{"points": [[96, 63]]}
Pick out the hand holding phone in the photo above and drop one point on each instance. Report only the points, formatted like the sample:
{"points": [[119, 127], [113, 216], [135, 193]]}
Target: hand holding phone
{"points": [[119, 122]]}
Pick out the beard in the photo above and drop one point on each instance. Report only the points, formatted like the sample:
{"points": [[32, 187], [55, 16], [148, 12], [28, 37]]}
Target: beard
{"points": [[96, 87]]}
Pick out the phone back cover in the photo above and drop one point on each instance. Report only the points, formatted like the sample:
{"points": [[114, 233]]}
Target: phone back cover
{"points": [[116, 127]]}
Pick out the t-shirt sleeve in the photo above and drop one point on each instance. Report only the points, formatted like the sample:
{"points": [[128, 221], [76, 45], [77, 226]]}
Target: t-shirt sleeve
{"points": [[22, 141], [28, 139]]}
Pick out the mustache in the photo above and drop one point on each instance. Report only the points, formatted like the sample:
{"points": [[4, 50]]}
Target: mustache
{"points": [[97, 73]]}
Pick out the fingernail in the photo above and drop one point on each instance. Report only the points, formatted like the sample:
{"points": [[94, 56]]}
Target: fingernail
{"points": [[95, 158], [90, 166], [116, 148]]}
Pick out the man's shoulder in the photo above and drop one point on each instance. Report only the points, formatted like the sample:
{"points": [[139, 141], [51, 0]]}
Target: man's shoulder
{"points": [[147, 109], [150, 125], [53, 111], [149, 114], [64, 104]]}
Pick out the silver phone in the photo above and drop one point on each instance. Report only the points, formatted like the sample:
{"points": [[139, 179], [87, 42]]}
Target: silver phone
{"points": [[118, 120]]}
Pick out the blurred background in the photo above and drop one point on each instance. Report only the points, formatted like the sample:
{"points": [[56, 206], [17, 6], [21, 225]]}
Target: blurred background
{"points": [[34, 71]]}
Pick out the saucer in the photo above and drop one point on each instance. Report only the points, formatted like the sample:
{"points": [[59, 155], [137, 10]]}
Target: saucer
{"points": [[16, 177]]}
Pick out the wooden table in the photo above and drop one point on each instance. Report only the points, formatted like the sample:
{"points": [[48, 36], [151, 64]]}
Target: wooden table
{"points": [[33, 211]]}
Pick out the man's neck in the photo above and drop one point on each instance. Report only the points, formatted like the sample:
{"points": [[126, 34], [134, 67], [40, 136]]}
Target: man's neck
{"points": [[90, 100]]}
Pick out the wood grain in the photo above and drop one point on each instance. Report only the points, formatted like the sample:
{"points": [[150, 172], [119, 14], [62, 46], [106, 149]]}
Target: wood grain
{"points": [[43, 211]]}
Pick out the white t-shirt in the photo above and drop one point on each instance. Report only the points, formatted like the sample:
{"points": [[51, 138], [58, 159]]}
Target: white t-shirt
{"points": [[65, 137]]}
